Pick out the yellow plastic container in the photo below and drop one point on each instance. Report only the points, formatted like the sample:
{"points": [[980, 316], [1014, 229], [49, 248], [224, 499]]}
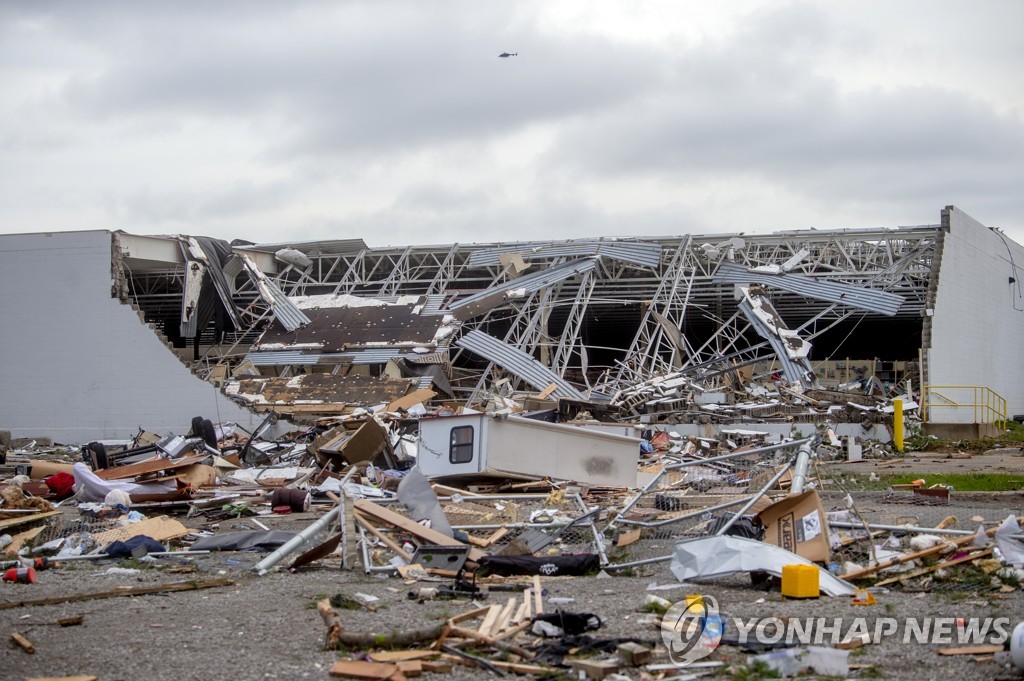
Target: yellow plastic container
{"points": [[800, 581]]}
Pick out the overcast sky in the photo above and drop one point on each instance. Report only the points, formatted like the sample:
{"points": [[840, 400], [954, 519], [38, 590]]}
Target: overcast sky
{"points": [[397, 122]]}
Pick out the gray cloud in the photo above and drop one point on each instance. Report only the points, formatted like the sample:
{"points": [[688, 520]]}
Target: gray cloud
{"points": [[396, 120]]}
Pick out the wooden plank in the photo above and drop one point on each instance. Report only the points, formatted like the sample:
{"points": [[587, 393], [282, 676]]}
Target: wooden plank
{"points": [[546, 392], [411, 668], [19, 540], [23, 643], [369, 671], [477, 541], [528, 613], [412, 399], [402, 655], [471, 615], [28, 519], [505, 616], [497, 535], [538, 597], [142, 468], [938, 566], [140, 590], [160, 528], [904, 557], [388, 541], [412, 527], [488, 623], [971, 650]]}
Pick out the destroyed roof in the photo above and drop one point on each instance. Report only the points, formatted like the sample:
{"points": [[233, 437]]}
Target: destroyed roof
{"points": [[338, 323], [319, 393], [872, 300], [518, 363], [645, 254]]}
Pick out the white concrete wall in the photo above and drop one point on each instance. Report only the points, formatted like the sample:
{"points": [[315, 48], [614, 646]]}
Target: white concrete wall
{"points": [[78, 365], [978, 325]]}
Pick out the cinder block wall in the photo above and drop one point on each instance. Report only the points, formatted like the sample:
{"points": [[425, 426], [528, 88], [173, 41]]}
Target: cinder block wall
{"points": [[978, 325], [75, 363]]}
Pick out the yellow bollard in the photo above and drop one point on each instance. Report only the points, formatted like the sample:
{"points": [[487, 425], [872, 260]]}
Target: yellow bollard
{"points": [[897, 424]]}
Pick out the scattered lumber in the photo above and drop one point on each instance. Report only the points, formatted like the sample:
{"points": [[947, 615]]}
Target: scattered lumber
{"points": [[141, 590]]}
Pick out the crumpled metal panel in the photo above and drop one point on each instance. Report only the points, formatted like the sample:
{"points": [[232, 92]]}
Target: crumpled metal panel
{"points": [[286, 312], [517, 362], [643, 253], [796, 370], [495, 296], [872, 300]]}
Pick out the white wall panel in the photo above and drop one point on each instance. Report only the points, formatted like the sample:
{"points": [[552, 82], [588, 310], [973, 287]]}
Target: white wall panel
{"points": [[77, 364], [978, 326]]}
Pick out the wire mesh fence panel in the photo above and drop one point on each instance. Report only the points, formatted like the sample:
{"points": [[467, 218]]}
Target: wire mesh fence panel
{"points": [[523, 524]]}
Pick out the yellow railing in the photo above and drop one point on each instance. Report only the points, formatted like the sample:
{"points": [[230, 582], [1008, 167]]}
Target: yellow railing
{"points": [[988, 406]]}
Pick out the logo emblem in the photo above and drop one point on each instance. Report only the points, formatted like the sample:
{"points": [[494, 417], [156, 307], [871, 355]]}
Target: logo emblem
{"points": [[691, 629]]}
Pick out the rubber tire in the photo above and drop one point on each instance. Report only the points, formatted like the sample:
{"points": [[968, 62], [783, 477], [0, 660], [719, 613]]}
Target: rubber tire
{"points": [[209, 433], [197, 426]]}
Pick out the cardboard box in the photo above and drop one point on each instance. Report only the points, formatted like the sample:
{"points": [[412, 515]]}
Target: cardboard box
{"points": [[797, 523]]}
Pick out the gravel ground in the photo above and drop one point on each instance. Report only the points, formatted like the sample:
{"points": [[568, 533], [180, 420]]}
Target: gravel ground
{"points": [[266, 627]]}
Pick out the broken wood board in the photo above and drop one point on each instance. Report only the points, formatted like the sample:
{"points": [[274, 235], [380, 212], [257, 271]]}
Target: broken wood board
{"points": [[938, 566], [160, 528], [361, 669], [402, 655], [27, 519], [23, 643], [195, 476], [20, 539], [412, 527], [905, 557], [412, 399], [139, 590], [144, 468], [388, 541], [971, 650]]}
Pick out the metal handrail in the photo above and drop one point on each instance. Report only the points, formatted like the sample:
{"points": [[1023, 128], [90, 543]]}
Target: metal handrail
{"points": [[988, 405]]}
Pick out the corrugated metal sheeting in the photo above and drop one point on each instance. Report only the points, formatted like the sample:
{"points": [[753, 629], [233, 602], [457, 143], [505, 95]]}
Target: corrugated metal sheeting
{"points": [[287, 312], [796, 370], [517, 362], [529, 283], [872, 300], [643, 253]]}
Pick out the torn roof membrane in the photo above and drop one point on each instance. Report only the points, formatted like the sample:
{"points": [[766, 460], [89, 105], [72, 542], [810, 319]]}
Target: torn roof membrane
{"points": [[340, 323]]}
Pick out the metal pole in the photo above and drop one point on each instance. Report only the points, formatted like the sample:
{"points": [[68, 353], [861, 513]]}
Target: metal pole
{"points": [[803, 459], [298, 540], [638, 563]]}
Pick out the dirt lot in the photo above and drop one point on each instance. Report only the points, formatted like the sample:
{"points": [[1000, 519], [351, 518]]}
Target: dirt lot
{"points": [[267, 627]]}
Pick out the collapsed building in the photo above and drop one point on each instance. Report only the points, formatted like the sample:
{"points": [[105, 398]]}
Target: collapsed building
{"points": [[106, 332]]}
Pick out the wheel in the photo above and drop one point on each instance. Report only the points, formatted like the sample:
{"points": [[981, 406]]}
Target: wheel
{"points": [[197, 426]]}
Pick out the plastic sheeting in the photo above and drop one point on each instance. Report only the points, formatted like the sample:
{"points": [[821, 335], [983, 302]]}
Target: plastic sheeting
{"points": [[89, 487], [707, 557]]}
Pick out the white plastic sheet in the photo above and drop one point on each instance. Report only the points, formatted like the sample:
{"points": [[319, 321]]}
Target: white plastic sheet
{"points": [[719, 556], [89, 487]]}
